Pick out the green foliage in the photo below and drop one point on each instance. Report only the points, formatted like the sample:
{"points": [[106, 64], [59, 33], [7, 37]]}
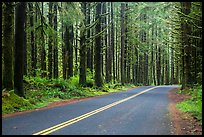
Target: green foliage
{"points": [[194, 104], [74, 80], [70, 13], [199, 77], [32, 82], [89, 78]]}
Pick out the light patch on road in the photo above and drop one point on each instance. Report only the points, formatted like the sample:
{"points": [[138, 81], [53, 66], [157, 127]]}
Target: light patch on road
{"points": [[79, 118], [172, 86]]}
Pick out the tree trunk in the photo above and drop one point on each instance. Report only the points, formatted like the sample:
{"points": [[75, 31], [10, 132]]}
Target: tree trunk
{"points": [[112, 41], [19, 48], [25, 50], [55, 43], [36, 38], [122, 43], [82, 73], [159, 65], [117, 48], [110, 46], [50, 43], [70, 52], [43, 52], [63, 48], [172, 66], [32, 40], [186, 30], [8, 33], [167, 66], [88, 36], [104, 43], [152, 58], [98, 47], [65, 54], [76, 51], [163, 63]]}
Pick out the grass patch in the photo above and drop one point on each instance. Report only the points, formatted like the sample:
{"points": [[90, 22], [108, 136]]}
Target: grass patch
{"points": [[194, 104], [39, 92]]}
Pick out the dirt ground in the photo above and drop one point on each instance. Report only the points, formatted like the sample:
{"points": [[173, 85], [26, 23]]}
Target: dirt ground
{"points": [[182, 123]]}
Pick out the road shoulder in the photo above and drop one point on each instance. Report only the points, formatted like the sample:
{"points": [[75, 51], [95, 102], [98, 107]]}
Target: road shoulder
{"points": [[182, 123]]}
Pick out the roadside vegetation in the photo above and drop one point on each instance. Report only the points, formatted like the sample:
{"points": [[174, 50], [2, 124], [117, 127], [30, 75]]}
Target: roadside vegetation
{"points": [[192, 105], [40, 92]]}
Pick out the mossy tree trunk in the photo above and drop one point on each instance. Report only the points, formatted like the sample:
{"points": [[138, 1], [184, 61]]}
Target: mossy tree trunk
{"points": [[32, 40], [8, 32], [43, 51], [82, 52], [50, 42], [55, 65]]}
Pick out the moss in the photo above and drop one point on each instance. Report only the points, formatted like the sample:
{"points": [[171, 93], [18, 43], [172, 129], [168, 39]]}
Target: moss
{"points": [[12, 103]]}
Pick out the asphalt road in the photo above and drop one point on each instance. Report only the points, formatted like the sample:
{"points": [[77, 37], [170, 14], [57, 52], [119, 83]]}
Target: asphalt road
{"points": [[139, 111]]}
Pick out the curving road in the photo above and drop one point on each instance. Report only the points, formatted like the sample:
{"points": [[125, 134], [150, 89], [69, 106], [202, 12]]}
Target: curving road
{"points": [[139, 111]]}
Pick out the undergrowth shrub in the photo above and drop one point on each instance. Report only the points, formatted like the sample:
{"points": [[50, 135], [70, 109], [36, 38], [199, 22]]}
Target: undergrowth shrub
{"points": [[74, 80]]}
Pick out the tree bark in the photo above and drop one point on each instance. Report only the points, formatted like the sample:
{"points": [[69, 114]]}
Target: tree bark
{"points": [[8, 33], [65, 54], [19, 48], [186, 30], [32, 40], [82, 70], [55, 43], [50, 43], [43, 52], [122, 43], [70, 52], [88, 36], [98, 46], [112, 41]]}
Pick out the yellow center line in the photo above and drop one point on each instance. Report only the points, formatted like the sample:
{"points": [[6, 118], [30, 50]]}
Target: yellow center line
{"points": [[74, 120]]}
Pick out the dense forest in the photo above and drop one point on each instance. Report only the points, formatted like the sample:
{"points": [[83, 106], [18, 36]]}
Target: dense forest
{"points": [[141, 43]]}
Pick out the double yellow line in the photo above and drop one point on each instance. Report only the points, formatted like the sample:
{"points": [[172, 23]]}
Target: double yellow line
{"points": [[74, 120]]}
